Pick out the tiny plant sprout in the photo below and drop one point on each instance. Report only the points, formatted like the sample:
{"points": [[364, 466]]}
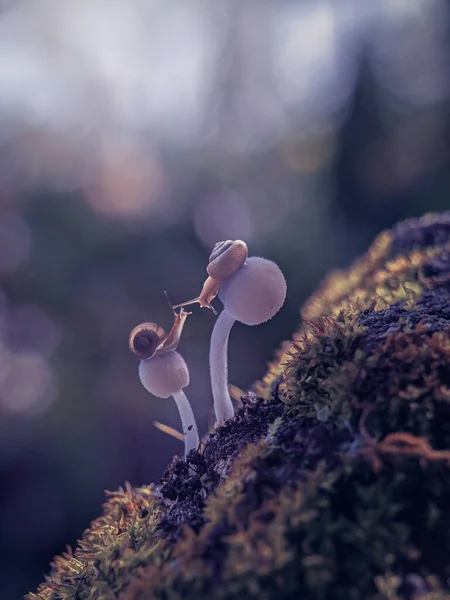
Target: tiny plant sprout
{"points": [[163, 371]]}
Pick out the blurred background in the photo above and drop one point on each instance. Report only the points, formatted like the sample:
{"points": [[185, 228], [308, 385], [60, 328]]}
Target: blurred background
{"points": [[133, 136]]}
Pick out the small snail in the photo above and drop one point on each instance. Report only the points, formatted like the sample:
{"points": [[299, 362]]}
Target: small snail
{"points": [[226, 258], [149, 339]]}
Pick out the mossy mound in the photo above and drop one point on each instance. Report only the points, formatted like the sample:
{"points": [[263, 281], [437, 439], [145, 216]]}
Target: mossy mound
{"points": [[332, 481]]}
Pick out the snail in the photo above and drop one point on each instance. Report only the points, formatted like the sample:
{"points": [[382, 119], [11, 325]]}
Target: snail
{"points": [[149, 339], [250, 295], [225, 260]]}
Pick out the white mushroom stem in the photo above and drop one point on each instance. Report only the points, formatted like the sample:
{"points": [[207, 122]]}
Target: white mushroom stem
{"points": [[188, 423], [218, 364]]}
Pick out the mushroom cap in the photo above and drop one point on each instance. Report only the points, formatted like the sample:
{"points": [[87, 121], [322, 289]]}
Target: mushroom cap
{"points": [[255, 293], [164, 374]]}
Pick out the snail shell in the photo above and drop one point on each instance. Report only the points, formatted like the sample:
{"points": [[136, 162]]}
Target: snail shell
{"points": [[145, 340], [226, 258]]}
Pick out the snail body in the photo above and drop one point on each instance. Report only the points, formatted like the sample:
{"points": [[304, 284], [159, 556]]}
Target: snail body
{"points": [[225, 260]]}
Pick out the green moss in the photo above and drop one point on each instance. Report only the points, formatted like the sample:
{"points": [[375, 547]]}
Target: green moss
{"points": [[111, 551], [333, 485]]}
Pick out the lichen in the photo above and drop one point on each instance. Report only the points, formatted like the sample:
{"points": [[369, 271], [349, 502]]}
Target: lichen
{"points": [[332, 481]]}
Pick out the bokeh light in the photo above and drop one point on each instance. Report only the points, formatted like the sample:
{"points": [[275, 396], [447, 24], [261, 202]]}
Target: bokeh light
{"points": [[223, 217], [28, 384], [28, 338], [15, 242]]}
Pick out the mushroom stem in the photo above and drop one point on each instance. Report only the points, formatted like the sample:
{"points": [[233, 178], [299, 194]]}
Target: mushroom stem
{"points": [[191, 440], [218, 364]]}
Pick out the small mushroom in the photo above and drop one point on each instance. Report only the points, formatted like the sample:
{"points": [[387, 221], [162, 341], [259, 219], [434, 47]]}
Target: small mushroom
{"points": [[163, 371]]}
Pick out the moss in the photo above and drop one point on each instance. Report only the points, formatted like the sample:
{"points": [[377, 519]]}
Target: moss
{"points": [[332, 481]]}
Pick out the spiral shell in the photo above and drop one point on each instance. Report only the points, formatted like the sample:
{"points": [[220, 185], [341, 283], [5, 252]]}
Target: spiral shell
{"points": [[145, 340], [226, 258]]}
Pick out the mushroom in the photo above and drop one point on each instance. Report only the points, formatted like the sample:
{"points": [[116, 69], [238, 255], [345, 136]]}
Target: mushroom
{"points": [[252, 291], [252, 295], [163, 371]]}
